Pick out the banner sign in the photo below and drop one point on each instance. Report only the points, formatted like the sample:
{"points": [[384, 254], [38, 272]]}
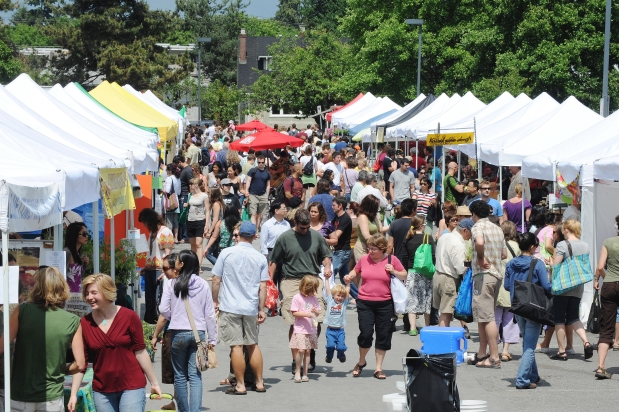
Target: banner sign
{"points": [[116, 191], [33, 208], [444, 139], [380, 134]]}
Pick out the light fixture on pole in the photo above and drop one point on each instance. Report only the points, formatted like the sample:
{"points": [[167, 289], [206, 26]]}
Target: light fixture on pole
{"points": [[417, 22], [605, 101], [200, 40]]}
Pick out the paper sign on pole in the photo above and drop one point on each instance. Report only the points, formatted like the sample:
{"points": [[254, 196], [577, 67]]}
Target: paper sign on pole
{"points": [[443, 139], [33, 208], [57, 260], [380, 134], [13, 285], [116, 191]]}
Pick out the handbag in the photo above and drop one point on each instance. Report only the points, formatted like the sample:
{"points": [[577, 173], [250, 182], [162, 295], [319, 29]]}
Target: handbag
{"points": [[593, 323], [463, 309], [423, 259], [170, 202], [272, 295], [399, 294], [202, 350], [182, 219], [530, 300], [572, 272]]}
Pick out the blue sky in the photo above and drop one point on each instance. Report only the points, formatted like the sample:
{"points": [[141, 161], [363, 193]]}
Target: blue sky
{"points": [[257, 8]]}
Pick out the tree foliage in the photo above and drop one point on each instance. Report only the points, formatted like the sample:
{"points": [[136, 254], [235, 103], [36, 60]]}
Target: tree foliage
{"points": [[9, 65], [325, 14], [289, 12], [23, 35], [268, 27], [305, 74]]}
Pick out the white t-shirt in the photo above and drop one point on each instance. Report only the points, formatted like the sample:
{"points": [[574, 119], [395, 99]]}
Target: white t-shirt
{"points": [[337, 171], [571, 213]]}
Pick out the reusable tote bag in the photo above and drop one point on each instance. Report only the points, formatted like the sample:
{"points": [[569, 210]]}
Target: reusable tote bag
{"points": [[182, 219], [399, 294], [530, 300], [463, 310], [423, 259], [572, 272]]}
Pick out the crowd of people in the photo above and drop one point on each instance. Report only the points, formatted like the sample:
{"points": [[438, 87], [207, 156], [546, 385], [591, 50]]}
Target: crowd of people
{"points": [[337, 231]]}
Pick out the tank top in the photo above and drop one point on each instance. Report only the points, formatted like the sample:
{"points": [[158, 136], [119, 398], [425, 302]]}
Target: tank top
{"points": [[372, 227]]}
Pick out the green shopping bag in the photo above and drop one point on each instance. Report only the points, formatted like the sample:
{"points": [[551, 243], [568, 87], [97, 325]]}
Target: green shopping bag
{"points": [[423, 259], [245, 216], [182, 219]]}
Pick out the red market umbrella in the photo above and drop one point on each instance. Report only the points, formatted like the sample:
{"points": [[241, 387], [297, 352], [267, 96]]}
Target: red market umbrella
{"points": [[266, 139], [253, 125]]}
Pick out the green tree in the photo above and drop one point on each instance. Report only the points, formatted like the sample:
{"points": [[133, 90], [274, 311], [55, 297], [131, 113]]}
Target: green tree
{"points": [[268, 27], [289, 11], [23, 35], [9, 65], [323, 14], [220, 102], [304, 74]]}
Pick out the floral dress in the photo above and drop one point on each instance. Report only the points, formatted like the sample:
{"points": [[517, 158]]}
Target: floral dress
{"points": [[164, 240]]}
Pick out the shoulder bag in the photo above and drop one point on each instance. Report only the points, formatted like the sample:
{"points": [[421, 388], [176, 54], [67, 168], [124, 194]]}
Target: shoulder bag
{"points": [[171, 200], [423, 259], [399, 294], [530, 300], [202, 350], [182, 219], [572, 272]]}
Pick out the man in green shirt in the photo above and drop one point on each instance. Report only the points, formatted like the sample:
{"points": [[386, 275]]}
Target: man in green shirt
{"points": [[301, 251], [450, 184]]}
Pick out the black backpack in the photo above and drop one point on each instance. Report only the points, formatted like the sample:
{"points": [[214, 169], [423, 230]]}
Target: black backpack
{"points": [[280, 193], [308, 169], [205, 157]]}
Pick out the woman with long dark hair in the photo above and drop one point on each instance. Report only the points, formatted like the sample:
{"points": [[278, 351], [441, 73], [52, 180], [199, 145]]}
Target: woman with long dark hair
{"points": [[75, 237], [222, 233], [216, 169], [368, 224], [191, 287], [319, 220], [160, 244]]}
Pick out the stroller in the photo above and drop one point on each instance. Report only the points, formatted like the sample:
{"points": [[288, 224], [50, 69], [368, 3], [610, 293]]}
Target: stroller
{"points": [[431, 382]]}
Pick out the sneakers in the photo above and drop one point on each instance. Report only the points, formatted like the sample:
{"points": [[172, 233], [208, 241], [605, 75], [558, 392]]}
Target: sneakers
{"points": [[529, 386], [312, 364], [328, 360], [543, 350], [343, 358]]}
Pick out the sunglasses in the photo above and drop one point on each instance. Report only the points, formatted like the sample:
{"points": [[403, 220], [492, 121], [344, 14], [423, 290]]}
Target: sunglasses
{"points": [[260, 163], [454, 219], [424, 184], [166, 268], [83, 234], [422, 173], [235, 235], [485, 188]]}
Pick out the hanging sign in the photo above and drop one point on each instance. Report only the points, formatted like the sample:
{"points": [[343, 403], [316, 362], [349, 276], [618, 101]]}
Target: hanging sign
{"points": [[116, 191], [33, 208], [444, 139]]}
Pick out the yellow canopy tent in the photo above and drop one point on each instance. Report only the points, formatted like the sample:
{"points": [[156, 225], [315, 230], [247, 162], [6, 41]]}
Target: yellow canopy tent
{"points": [[133, 110]]}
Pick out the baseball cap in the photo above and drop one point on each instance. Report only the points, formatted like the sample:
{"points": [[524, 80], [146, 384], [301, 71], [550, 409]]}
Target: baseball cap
{"points": [[466, 224], [226, 181], [247, 229], [409, 158]]}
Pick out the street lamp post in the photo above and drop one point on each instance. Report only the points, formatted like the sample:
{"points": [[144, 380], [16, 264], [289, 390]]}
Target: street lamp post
{"points": [[417, 22], [605, 102], [200, 40]]}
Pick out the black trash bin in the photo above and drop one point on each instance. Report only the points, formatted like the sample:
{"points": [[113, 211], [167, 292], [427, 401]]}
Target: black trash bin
{"points": [[431, 382]]}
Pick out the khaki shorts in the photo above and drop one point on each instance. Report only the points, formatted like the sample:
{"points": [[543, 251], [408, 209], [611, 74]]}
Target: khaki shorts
{"points": [[289, 288], [56, 405], [486, 290], [258, 204], [237, 329], [444, 293]]}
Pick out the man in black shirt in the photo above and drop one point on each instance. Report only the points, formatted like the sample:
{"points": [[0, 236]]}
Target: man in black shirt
{"points": [[340, 240], [229, 198], [186, 176], [389, 165]]}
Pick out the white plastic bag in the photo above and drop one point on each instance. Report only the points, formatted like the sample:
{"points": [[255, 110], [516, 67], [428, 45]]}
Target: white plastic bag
{"points": [[399, 294]]}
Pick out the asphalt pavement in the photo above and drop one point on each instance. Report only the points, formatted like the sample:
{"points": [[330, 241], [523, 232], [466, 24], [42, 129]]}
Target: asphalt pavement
{"points": [[564, 386]]}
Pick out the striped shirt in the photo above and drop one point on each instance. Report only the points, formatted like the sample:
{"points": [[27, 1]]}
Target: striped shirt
{"points": [[422, 209]]}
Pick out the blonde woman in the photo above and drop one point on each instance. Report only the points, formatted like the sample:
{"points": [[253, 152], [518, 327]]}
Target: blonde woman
{"points": [[114, 340], [232, 158], [42, 332], [197, 222]]}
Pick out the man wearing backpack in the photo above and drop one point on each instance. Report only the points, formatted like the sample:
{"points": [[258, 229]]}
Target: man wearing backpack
{"points": [[258, 185], [293, 185], [205, 158]]}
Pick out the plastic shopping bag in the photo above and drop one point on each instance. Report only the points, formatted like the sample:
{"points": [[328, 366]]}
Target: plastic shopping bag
{"points": [[464, 303]]}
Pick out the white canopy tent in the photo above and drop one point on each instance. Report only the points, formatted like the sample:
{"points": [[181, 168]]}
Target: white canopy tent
{"points": [[400, 112], [465, 107], [492, 109], [438, 106], [356, 107], [527, 113], [138, 158], [550, 130], [379, 106], [85, 105]]}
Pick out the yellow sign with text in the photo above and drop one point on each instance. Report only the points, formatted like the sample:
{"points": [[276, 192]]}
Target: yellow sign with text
{"points": [[116, 191], [444, 139]]}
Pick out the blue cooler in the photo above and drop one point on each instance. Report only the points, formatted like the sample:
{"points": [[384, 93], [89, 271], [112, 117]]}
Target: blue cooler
{"points": [[437, 340]]}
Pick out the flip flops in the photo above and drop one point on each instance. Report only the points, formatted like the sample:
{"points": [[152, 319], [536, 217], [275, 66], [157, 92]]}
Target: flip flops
{"points": [[233, 391], [493, 364], [477, 359], [506, 357]]}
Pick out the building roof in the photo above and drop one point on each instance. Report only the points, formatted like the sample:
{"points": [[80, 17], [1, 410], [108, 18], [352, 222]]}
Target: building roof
{"points": [[256, 47]]}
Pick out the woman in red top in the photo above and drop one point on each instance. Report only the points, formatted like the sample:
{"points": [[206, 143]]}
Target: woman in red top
{"points": [[114, 343], [375, 309]]}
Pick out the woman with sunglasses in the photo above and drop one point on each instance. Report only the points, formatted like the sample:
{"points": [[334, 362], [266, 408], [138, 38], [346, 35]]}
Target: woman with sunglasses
{"points": [[76, 237], [425, 199]]}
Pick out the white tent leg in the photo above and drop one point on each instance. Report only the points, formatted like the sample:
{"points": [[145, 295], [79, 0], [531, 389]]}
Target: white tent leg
{"points": [[112, 251], [459, 167], [500, 183], [95, 237], [5, 319], [58, 238], [417, 154]]}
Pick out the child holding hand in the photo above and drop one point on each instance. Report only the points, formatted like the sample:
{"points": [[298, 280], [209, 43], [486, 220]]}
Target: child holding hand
{"points": [[305, 308], [335, 319]]}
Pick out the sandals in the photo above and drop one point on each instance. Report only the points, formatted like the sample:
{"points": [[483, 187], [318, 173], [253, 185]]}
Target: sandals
{"points": [[297, 380], [615, 347], [226, 382], [588, 350], [506, 357], [477, 359], [562, 356], [380, 375], [356, 372], [305, 379], [602, 374], [233, 391], [493, 364]]}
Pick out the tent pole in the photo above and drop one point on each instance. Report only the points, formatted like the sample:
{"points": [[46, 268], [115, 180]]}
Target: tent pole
{"points": [[417, 154], [459, 167], [112, 251], [523, 224], [58, 238], [5, 319], [500, 183], [442, 166], [95, 236]]}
